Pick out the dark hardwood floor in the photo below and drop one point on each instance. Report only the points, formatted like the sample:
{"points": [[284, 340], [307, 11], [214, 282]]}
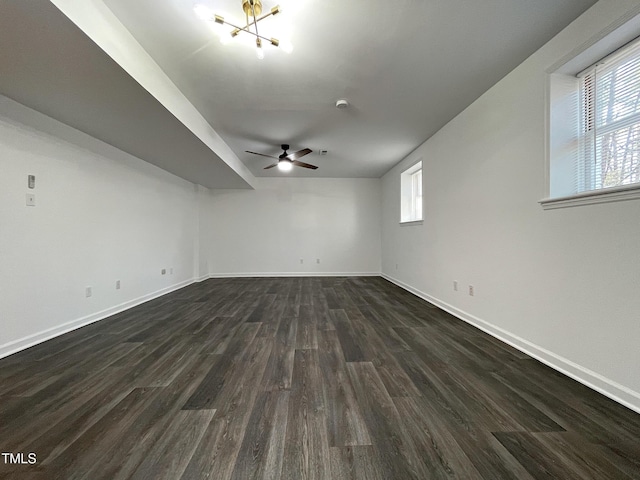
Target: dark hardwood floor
{"points": [[301, 378]]}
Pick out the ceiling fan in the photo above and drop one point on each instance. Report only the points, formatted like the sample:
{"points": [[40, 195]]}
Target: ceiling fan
{"points": [[286, 161]]}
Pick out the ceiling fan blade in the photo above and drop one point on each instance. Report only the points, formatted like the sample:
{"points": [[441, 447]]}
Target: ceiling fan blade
{"points": [[262, 154], [299, 154], [305, 165], [271, 166]]}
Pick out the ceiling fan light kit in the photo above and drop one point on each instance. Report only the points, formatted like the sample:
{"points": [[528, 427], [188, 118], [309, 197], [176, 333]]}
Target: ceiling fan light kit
{"points": [[286, 161], [285, 165], [252, 11]]}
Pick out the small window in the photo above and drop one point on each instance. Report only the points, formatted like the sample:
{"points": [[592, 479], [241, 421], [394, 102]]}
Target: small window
{"points": [[610, 122], [411, 194], [594, 136]]}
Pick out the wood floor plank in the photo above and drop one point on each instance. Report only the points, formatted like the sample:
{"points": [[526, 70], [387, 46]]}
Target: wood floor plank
{"points": [[533, 457], [306, 448], [355, 463], [438, 449], [279, 372], [307, 336], [224, 371], [79, 418], [347, 336], [589, 461], [139, 437], [345, 423], [262, 451], [396, 450], [321, 309], [96, 443], [170, 456], [383, 324], [395, 379], [216, 454]]}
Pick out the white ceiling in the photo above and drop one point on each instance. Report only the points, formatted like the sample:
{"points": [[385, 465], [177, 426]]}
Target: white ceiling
{"points": [[407, 67], [48, 64]]}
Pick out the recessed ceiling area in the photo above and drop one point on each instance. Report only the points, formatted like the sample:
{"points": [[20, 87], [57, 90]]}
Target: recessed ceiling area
{"points": [[406, 68]]}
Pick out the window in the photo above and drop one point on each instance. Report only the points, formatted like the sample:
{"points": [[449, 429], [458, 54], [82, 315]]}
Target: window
{"points": [[594, 136], [610, 122], [411, 194]]}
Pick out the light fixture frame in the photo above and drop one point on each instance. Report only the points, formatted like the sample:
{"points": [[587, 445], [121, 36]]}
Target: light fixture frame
{"points": [[252, 10]]}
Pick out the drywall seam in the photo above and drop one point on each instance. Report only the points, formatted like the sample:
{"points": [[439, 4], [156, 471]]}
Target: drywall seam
{"points": [[615, 391], [39, 337]]}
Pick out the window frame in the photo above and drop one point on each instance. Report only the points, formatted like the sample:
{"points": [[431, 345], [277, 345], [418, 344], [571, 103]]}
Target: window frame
{"points": [[563, 88]]}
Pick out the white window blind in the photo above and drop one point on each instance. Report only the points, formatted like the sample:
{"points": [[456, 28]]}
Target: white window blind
{"points": [[610, 122], [416, 194]]}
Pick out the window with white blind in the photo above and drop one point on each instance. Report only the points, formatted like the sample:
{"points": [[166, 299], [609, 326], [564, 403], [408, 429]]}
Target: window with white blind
{"points": [[594, 130], [411, 194], [610, 122]]}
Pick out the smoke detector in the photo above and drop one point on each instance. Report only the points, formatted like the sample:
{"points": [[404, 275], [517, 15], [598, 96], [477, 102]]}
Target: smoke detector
{"points": [[342, 103]]}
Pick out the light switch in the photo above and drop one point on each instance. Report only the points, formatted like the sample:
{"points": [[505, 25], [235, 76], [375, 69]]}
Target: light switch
{"points": [[31, 182], [31, 200]]}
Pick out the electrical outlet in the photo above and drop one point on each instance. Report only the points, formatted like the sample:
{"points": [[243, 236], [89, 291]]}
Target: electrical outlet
{"points": [[163, 271], [117, 284], [31, 181], [88, 292], [31, 200], [455, 285], [471, 290]]}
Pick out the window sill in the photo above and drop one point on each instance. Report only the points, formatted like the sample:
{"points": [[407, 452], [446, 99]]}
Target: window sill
{"points": [[613, 194], [411, 223]]}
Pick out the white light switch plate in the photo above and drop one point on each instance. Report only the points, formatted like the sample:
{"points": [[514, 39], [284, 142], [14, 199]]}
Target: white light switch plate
{"points": [[31, 200]]}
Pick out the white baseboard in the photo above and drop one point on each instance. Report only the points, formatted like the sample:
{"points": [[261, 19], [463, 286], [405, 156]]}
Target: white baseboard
{"points": [[295, 274], [615, 391], [31, 340]]}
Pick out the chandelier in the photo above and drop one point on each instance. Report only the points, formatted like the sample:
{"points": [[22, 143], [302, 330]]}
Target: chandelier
{"points": [[253, 14]]}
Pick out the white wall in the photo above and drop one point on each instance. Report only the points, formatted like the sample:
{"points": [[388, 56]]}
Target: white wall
{"points": [[101, 215], [268, 230], [562, 284]]}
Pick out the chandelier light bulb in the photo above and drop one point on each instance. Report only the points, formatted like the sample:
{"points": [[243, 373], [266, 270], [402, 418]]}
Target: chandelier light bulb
{"points": [[286, 46], [284, 166], [203, 12], [259, 51]]}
